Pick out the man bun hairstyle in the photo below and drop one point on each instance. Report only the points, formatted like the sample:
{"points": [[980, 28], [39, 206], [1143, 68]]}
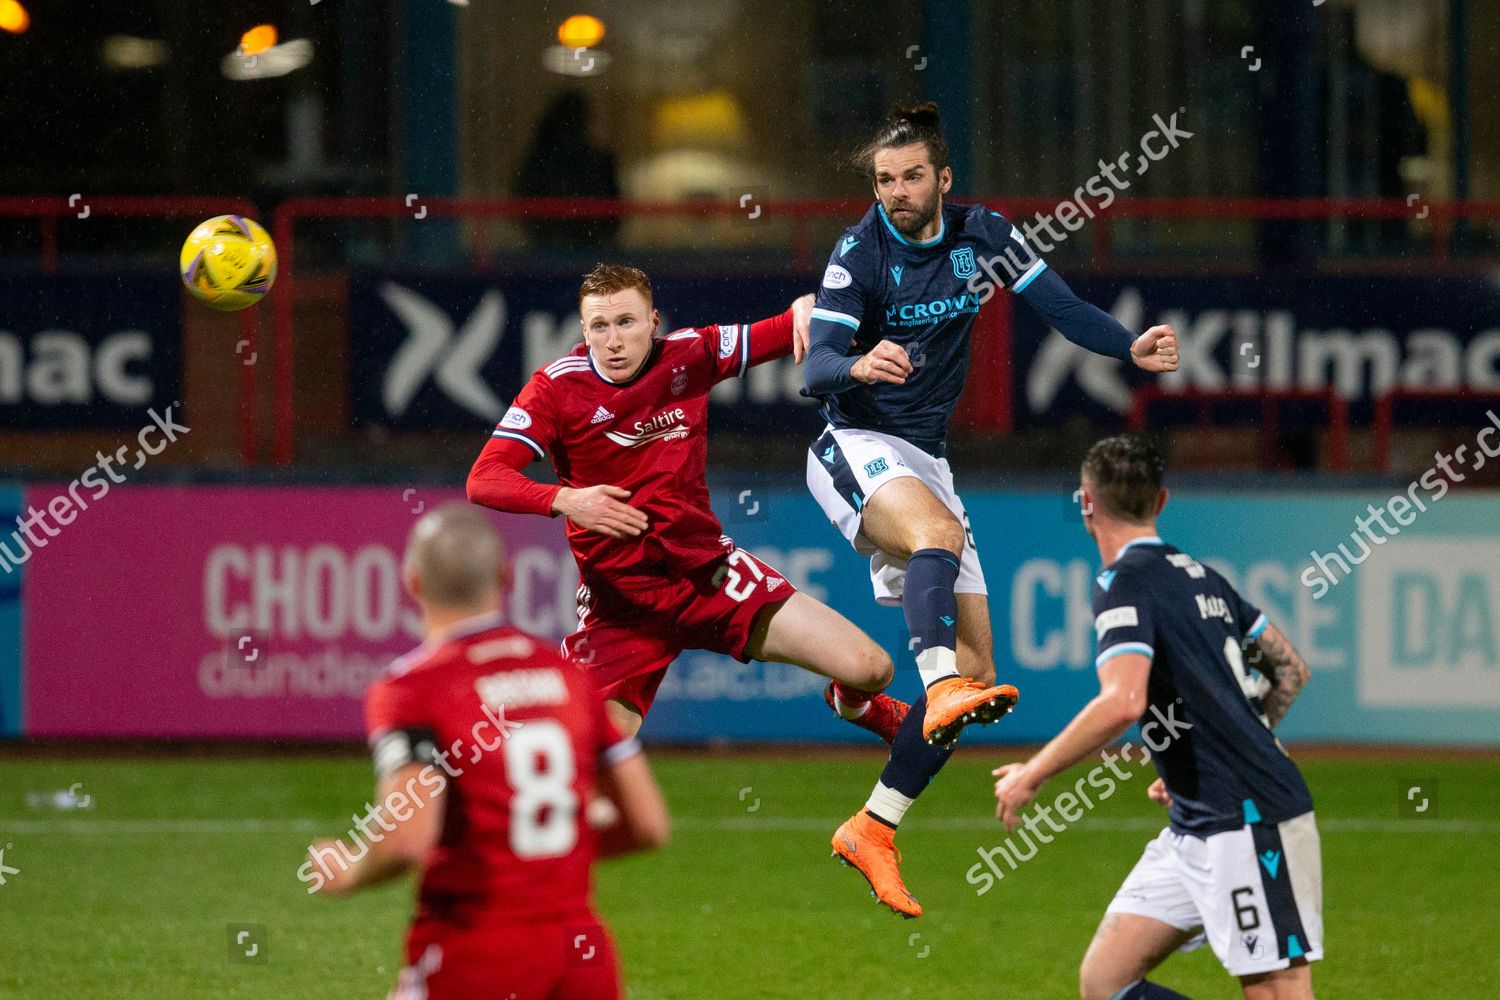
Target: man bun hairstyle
{"points": [[1125, 474], [905, 125]]}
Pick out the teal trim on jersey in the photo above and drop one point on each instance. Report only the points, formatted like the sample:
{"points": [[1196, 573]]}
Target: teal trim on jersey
{"points": [[828, 315], [924, 244], [1148, 540], [1252, 814], [1258, 627], [1030, 276], [1293, 947], [1125, 647]]}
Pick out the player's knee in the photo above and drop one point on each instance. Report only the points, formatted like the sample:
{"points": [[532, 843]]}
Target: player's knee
{"points": [[873, 668], [1095, 984], [1276, 987], [626, 719], [1096, 980], [940, 533]]}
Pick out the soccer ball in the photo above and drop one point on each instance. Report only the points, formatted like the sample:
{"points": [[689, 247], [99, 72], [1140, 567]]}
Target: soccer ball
{"points": [[228, 262]]}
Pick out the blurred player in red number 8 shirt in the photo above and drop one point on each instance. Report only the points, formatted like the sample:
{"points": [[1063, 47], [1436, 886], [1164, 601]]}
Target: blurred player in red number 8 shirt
{"points": [[625, 417], [487, 745]]}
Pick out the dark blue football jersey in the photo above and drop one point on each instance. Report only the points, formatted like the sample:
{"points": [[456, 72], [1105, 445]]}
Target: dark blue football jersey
{"points": [[1204, 724], [924, 296]]}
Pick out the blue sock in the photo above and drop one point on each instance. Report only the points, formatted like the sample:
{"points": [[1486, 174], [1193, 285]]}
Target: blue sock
{"points": [[932, 612], [1142, 990], [912, 765]]}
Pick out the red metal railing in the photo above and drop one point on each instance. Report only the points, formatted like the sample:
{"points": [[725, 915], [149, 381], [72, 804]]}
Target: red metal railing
{"points": [[1269, 401], [49, 211], [1385, 412], [801, 214]]}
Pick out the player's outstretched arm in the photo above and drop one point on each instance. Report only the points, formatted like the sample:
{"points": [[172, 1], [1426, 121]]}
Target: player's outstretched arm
{"points": [[769, 339], [403, 844], [1280, 662], [495, 480], [1092, 328], [643, 823], [1120, 702]]}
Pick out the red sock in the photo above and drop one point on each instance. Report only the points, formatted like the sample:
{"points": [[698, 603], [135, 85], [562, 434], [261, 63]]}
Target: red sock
{"points": [[851, 702]]}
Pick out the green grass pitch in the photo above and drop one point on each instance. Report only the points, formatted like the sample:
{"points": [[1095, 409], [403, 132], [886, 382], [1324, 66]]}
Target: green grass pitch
{"points": [[134, 897]]}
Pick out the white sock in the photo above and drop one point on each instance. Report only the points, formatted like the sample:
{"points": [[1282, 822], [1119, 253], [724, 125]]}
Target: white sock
{"points": [[849, 712], [889, 804], [936, 663]]}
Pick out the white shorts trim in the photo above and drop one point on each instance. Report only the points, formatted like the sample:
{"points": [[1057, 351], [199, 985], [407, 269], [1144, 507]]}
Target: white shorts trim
{"points": [[1244, 904], [847, 467]]}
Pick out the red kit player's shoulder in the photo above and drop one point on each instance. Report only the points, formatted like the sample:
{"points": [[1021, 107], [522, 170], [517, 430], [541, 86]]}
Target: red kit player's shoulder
{"points": [[723, 345], [692, 339], [415, 662], [702, 343], [432, 667], [574, 363], [505, 645]]}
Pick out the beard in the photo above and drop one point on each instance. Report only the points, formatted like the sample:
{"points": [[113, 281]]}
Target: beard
{"points": [[917, 218]]}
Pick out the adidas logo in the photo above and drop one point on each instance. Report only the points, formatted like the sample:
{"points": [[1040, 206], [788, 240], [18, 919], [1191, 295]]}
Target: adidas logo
{"points": [[601, 415], [773, 583]]}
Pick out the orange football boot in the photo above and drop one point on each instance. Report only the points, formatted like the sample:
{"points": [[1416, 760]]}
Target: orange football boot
{"points": [[869, 846], [954, 702]]}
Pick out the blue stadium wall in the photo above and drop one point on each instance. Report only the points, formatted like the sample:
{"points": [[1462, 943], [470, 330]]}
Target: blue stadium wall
{"points": [[1405, 649]]}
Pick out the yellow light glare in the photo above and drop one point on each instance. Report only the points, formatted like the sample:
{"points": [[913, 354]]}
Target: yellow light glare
{"points": [[13, 17], [710, 119], [581, 31], [258, 39]]}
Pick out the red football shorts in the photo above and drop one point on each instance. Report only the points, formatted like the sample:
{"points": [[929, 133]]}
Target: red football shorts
{"points": [[627, 640], [543, 960]]}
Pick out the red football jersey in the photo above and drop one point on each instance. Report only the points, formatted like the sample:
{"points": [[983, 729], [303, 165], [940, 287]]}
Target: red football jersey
{"points": [[517, 733], [648, 435]]}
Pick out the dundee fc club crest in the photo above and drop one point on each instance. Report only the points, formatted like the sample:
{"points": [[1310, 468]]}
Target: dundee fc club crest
{"points": [[963, 262]]}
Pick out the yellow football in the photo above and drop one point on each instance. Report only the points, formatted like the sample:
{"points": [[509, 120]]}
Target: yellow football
{"points": [[228, 262]]}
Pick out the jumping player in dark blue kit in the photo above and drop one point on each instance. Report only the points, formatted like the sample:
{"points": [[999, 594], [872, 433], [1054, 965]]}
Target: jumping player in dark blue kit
{"points": [[889, 354], [1240, 864]]}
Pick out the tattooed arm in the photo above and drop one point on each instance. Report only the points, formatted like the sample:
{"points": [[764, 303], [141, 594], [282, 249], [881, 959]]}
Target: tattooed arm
{"points": [[1283, 666]]}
